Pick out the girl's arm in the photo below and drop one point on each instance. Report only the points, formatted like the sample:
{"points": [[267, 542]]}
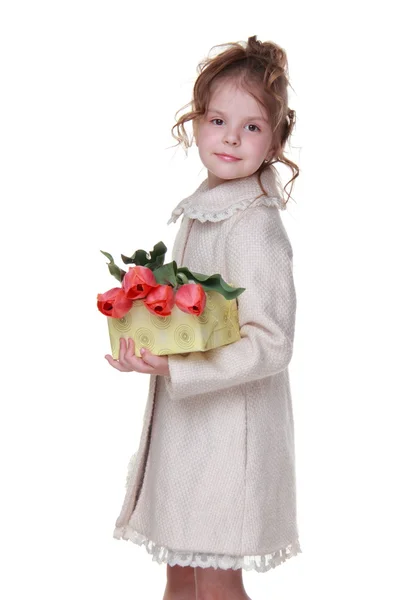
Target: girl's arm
{"points": [[259, 258]]}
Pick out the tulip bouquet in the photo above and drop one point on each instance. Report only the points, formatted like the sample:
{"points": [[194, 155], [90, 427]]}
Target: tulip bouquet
{"points": [[168, 308]]}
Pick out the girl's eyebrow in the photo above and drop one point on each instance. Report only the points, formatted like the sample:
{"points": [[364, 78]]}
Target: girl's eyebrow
{"points": [[220, 112]]}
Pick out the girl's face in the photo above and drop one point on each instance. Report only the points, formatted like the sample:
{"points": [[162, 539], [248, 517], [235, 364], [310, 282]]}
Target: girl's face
{"points": [[234, 136]]}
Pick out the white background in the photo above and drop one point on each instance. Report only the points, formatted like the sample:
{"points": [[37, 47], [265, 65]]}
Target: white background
{"points": [[88, 96]]}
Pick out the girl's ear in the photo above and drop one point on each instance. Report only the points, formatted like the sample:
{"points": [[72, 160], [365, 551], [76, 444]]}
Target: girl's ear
{"points": [[271, 153]]}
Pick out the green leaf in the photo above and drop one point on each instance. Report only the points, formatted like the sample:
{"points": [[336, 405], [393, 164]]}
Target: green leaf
{"points": [[213, 282], [157, 255], [139, 258], [166, 274], [151, 260], [114, 269], [110, 258], [169, 274]]}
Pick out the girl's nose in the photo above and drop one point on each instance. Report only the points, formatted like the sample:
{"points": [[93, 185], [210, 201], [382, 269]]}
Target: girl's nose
{"points": [[231, 138]]}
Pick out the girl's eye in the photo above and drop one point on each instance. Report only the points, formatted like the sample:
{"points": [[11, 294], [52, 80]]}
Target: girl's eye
{"points": [[252, 127], [256, 127]]}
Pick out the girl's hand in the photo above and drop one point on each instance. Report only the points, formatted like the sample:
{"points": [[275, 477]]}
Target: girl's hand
{"points": [[149, 363]]}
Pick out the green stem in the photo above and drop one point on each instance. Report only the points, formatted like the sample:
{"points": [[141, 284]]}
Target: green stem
{"points": [[182, 277]]}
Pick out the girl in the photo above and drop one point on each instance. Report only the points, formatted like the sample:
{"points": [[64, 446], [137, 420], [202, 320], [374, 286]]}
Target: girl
{"points": [[211, 489]]}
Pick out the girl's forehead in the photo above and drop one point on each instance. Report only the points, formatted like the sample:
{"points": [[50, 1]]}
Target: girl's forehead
{"points": [[226, 87], [231, 94]]}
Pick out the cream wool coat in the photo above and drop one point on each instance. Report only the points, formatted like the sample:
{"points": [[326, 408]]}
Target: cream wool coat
{"points": [[213, 480]]}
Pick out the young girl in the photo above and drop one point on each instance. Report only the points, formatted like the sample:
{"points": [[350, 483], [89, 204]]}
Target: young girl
{"points": [[211, 489]]}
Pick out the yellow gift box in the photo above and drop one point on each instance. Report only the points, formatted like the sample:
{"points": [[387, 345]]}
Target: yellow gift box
{"points": [[179, 332]]}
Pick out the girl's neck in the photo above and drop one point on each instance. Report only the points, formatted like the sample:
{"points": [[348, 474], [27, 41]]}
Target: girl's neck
{"points": [[214, 181]]}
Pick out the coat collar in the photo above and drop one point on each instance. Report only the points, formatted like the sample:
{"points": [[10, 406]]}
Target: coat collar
{"points": [[236, 194]]}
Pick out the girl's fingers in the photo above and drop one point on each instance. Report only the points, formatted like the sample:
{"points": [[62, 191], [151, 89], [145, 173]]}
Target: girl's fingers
{"points": [[122, 349], [140, 365], [128, 361], [114, 363], [125, 357], [121, 364], [155, 363], [150, 359], [130, 351]]}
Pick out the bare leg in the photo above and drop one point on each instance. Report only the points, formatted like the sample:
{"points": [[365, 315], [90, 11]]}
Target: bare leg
{"points": [[219, 584], [180, 583]]}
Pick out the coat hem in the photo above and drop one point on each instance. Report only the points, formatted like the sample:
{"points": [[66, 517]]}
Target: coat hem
{"points": [[161, 554]]}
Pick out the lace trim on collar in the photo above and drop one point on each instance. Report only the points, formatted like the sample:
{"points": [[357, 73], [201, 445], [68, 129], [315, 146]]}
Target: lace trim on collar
{"points": [[218, 203], [201, 215]]}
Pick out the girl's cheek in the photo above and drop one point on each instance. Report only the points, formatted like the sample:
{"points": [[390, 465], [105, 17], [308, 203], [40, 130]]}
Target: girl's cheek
{"points": [[261, 143]]}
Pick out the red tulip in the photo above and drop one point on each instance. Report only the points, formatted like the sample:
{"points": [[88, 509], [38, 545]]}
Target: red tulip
{"points": [[191, 298], [138, 282], [114, 303], [160, 300]]}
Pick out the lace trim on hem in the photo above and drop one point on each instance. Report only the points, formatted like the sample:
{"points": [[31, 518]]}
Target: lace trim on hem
{"points": [[161, 554], [200, 215]]}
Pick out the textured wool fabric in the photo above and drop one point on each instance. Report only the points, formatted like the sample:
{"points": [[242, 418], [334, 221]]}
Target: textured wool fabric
{"points": [[213, 480]]}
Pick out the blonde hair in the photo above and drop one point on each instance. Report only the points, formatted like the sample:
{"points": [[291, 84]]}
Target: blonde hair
{"points": [[261, 69]]}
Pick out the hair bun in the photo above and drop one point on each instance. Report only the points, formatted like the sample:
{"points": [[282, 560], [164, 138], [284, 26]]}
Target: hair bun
{"points": [[273, 53]]}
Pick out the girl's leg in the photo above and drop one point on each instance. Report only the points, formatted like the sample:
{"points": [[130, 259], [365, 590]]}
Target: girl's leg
{"points": [[219, 584], [180, 583]]}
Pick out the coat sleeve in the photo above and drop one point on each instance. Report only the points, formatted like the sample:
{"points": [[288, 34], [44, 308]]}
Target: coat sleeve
{"points": [[259, 258]]}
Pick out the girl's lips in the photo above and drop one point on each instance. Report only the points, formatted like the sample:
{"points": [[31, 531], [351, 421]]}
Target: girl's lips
{"points": [[227, 158]]}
